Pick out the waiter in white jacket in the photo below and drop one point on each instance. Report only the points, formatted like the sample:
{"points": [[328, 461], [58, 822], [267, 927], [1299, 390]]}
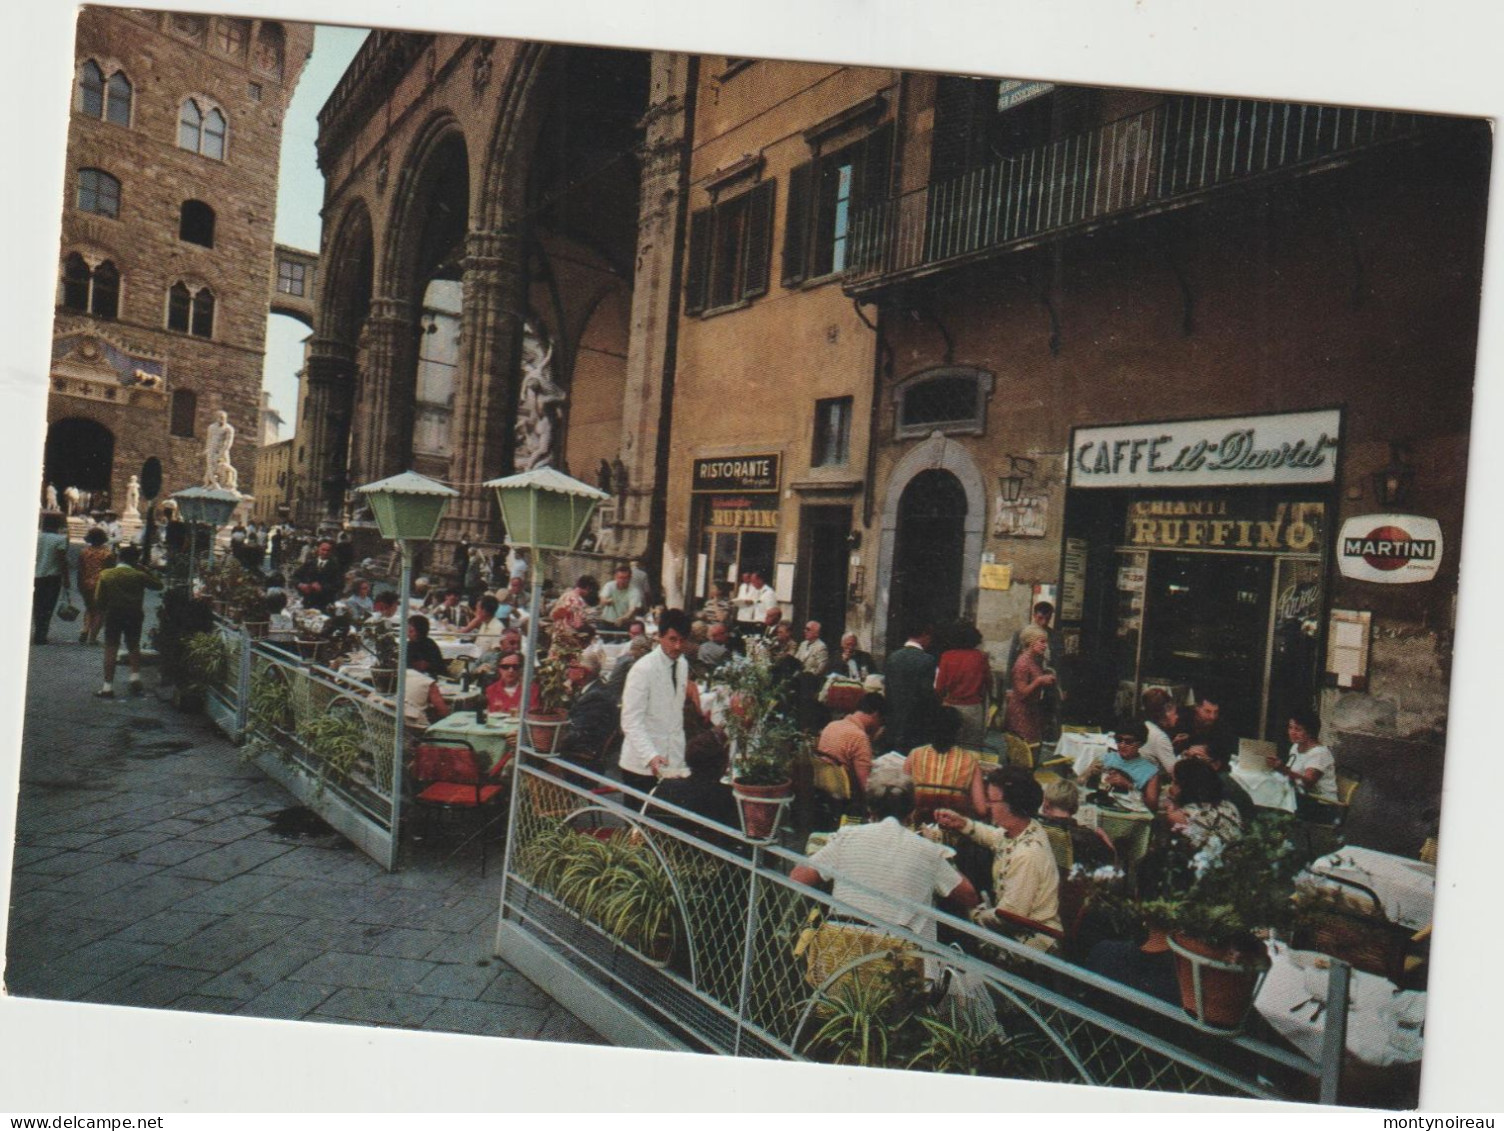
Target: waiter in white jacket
{"points": [[652, 708]]}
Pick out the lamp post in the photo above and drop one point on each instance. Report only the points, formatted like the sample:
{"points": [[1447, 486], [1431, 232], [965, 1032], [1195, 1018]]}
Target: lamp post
{"points": [[543, 509], [407, 509], [211, 506]]}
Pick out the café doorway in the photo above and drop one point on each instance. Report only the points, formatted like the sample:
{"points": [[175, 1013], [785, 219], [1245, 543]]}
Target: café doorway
{"points": [[824, 557], [928, 553]]}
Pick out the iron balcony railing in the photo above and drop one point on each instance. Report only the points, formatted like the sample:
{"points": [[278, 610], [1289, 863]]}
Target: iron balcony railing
{"points": [[1163, 157]]}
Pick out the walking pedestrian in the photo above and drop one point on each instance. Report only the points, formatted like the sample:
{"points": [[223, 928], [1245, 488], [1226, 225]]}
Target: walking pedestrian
{"points": [[121, 595], [51, 577]]}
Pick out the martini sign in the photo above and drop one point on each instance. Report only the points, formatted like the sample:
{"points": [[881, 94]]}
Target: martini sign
{"points": [[1391, 549]]}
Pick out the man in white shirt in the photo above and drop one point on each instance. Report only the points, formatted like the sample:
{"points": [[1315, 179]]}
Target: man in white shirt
{"points": [[621, 600], [753, 600], [51, 576], [652, 708]]}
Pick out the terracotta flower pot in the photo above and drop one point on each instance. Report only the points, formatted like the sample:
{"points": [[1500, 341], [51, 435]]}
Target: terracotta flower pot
{"points": [[384, 680], [1217, 983], [759, 806], [544, 729]]}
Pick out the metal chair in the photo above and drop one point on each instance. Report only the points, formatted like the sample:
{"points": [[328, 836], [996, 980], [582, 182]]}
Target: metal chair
{"points": [[448, 779]]}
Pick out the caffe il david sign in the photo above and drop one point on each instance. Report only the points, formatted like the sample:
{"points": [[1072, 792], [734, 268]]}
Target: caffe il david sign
{"points": [[1239, 451], [1391, 549]]}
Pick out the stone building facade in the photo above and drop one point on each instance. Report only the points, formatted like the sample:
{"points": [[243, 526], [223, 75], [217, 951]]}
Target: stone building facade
{"points": [[165, 269]]}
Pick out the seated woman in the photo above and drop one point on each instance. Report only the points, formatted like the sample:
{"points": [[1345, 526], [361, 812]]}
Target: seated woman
{"points": [[945, 776], [1090, 848], [422, 653], [504, 697], [1126, 769], [1197, 810], [1162, 718], [422, 701], [359, 602], [1311, 769]]}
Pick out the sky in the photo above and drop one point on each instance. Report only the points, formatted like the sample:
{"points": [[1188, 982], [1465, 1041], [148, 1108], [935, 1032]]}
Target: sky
{"points": [[300, 194]]}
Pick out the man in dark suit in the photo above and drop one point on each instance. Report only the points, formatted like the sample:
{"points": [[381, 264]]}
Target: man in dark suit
{"points": [[909, 686], [594, 713], [320, 579]]}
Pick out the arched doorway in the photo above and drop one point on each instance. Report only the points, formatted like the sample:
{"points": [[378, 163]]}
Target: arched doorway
{"points": [[928, 552], [80, 453]]}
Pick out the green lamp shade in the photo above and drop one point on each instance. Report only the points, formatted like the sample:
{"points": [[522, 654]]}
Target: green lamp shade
{"points": [[211, 505], [408, 507], [545, 508]]}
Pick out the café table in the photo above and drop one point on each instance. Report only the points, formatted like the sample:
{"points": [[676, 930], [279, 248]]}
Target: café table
{"points": [[1384, 1025], [1267, 789], [1084, 749], [455, 648], [1405, 888], [492, 740]]}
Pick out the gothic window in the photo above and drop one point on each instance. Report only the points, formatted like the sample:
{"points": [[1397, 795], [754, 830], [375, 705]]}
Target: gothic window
{"points": [[196, 223], [944, 400], [118, 99], [230, 36], [202, 132], [729, 247], [189, 26], [191, 311], [90, 97], [98, 192], [91, 290], [292, 277]]}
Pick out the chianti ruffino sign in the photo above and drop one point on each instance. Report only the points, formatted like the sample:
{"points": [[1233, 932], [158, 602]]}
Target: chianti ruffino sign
{"points": [[1391, 549], [1223, 524], [1295, 447]]}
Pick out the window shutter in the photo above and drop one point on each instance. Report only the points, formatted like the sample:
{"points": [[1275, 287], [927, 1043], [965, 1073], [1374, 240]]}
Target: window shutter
{"points": [[796, 231], [697, 271], [877, 164], [756, 263]]}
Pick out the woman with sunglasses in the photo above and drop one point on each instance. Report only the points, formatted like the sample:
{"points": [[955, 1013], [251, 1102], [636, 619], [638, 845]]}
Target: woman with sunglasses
{"points": [[504, 697]]}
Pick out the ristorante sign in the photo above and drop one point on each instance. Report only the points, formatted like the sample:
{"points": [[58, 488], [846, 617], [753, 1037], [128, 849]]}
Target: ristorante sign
{"points": [[736, 473], [1239, 451]]}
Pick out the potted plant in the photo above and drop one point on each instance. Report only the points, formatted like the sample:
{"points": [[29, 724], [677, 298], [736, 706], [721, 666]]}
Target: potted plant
{"points": [[764, 742], [236, 594], [1216, 903], [637, 904], [333, 740], [380, 640], [546, 721], [180, 618]]}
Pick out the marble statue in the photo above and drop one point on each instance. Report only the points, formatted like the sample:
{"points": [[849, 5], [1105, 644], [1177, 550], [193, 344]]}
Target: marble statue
{"points": [[539, 404], [132, 499], [50, 497], [70, 497], [218, 470]]}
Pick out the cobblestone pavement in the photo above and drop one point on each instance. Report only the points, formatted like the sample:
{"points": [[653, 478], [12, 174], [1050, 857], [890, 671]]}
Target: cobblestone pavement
{"points": [[149, 871]]}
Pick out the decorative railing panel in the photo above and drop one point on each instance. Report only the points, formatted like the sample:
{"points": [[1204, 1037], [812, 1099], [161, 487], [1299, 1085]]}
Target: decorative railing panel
{"points": [[1168, 155], [693, 927]]}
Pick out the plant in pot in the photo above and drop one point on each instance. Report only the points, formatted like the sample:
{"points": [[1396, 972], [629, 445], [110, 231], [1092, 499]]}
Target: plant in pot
{"points": [[333, 740], [206, 658], [236, 594], [1216, 903], [181, 617], [546, 720], [380, 640], [764, 742], [638, 904]]}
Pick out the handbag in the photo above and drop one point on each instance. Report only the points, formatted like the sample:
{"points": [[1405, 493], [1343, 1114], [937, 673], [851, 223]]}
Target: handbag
{"points": [[67, 610]]}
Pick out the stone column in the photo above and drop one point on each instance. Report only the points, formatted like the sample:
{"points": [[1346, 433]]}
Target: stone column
{"points": [[485, 393], [384, 415], [651, 342], [325, 427]]}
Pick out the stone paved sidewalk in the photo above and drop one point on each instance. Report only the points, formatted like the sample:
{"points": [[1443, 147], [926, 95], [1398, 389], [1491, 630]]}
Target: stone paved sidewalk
{"points": [[149, 871]]}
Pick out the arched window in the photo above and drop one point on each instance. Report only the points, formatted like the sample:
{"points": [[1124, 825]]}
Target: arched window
{"points": [[98, 192], [196, 223], [90, 98], [202, 132], [91, 290], [191, 312], [118, 99]]}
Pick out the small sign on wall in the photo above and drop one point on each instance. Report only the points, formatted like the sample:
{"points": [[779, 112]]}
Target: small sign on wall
{"points": [[1390, 549], [1348, 639], [1025, 518], [995, 575]]}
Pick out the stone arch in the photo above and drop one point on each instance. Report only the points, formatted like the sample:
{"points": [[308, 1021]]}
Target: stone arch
{"points": [[432, 152], [503, 188], [349, 275], [936, 453]]}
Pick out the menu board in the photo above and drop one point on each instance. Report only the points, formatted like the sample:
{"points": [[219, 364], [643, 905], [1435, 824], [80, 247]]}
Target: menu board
{"points": [[1073, 579]]}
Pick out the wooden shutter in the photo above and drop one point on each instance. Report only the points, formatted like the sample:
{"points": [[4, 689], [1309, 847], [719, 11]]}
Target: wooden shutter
{"points": [[877, 164], [797, 221], [697, 270], [757, 258]]}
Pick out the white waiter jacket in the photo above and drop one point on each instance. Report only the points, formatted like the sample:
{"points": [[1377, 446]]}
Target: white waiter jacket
{"points": [[652, 714]]}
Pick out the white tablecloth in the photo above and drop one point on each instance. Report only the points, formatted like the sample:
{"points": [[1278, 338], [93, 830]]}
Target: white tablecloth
{"points": [[1383, 1024], [1083, 749], [1268, 790], [1406, 888]]}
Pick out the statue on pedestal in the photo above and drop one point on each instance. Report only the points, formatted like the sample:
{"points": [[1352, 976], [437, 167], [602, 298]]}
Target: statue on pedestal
{"points": [[537, 403], [49, 497], [132, 499], [70, 497], [218, 470]]}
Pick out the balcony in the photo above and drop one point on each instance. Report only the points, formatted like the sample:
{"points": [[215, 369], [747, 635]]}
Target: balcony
{"points": [[1166, 157]]}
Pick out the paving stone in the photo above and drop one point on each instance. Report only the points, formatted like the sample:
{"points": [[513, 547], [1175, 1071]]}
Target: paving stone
{"points": [[294, 897], [364, 971], [288, 1000], [484, 1019], [171, 850], [228, 829], [74, 839], [29, 854], [168, 927], [222, 946], [153, 894], [241, 893], [148, 986], [230, 860], [378, 1007], [197, 1003], [69, 976], [130, 844], [405, 942], [511, 988], [465, 980], [67, 864], [110, 876], [563, 1026], [337, 865], [260, 972]]}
